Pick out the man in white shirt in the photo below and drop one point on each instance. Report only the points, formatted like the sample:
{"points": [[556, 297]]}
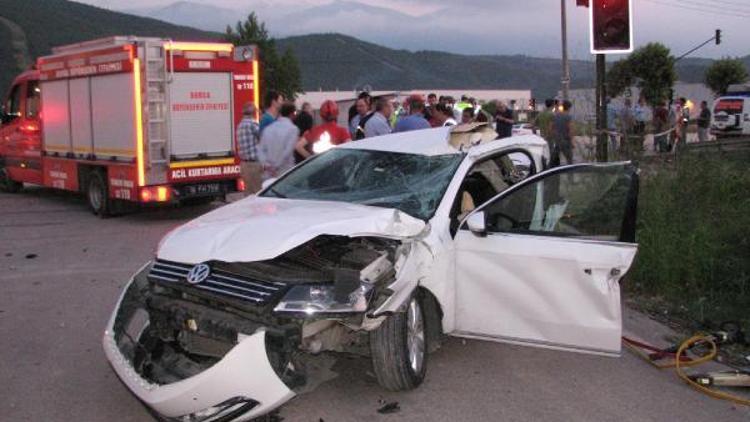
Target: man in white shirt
{"points": [[277, 143]]}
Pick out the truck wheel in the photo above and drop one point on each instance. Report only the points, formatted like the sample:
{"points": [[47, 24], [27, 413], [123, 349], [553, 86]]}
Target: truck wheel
{"points": [[98, 195], [7, 184], [399, 349]]}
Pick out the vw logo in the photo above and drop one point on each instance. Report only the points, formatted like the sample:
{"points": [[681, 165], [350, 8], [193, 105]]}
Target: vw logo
{"points": [[198, 274]]}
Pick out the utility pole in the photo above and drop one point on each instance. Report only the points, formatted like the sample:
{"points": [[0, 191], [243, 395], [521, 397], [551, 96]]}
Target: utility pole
{"points": [[565, 64], [601, 108]]}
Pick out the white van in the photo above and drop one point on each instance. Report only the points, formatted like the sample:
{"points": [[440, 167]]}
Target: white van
{"points": [[731, 113]]}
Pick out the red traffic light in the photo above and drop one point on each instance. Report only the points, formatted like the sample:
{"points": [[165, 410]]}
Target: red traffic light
{"points": [[611, 26]]}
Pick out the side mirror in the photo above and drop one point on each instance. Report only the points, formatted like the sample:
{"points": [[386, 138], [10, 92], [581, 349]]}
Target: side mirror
{"points": [[476, 224], [268, 182]]}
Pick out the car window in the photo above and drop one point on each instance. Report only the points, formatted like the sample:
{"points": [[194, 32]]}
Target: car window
{"points": [[33, 94], [13, 105], [586, 203], [412, 183]]}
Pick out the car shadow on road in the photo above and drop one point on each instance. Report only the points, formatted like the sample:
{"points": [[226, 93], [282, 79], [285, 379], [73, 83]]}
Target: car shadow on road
{"points": [[64, 201]]}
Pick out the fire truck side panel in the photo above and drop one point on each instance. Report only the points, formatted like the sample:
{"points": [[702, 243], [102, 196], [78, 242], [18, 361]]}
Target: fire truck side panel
{"points": [[244, 91], [56, 120], [61, 173], [201, 115], [123, 182], [113, 111], [81, 127]]}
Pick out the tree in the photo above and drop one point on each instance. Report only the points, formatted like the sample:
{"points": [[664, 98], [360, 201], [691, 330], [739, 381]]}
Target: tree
{"points": [[279, 72], [650, 67], [619, 78], [723, 73]]}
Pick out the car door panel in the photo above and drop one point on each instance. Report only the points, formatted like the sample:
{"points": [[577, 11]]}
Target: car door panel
{"points": [[534, 280], [546, 272]]}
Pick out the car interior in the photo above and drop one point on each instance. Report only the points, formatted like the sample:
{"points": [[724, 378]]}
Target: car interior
{"points": [[486, 179]]}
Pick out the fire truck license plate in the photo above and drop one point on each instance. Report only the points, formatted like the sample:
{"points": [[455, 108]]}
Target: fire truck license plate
{"points": [[203, 189]]}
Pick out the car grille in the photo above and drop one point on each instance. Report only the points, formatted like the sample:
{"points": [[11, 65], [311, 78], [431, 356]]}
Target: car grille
{"points": [[219, 282]]}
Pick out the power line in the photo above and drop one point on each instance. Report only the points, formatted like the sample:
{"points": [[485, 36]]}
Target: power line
{"points": [[737, 14], [708, 5], [695, 7], [732, 3]]}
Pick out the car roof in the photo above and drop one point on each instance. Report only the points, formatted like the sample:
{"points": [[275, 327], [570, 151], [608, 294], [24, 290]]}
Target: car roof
{"points": [[442, 141]]}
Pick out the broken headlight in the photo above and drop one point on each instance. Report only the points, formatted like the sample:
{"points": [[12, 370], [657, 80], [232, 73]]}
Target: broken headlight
{"points": [[311, 299]]}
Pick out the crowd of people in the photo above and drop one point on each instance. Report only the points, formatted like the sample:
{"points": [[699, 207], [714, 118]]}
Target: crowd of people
{"points": [[555, 125], [285, 135], [668, 122]]}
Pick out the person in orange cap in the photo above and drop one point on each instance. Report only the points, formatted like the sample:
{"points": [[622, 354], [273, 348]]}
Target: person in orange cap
{"points": [[325, 135]]}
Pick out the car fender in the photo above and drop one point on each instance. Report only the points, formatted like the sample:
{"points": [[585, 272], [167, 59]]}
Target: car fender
{"points": [[408, 278]]}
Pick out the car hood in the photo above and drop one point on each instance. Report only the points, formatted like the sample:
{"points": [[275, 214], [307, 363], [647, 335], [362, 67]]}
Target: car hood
{"points": [[257, 229]]}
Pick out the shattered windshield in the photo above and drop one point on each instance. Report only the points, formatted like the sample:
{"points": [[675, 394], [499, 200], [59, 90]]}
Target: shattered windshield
{"points": [[412, 183]]}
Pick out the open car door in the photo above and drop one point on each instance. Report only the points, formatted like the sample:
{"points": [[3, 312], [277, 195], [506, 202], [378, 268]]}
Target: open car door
{"points": [[540, 264]]}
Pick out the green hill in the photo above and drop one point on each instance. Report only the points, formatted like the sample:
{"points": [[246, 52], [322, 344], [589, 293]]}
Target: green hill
{"points": [[42, 24], [333, 61]]}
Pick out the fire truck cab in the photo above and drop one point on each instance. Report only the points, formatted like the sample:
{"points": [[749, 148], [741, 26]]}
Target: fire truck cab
{"points": [[129, 119]]}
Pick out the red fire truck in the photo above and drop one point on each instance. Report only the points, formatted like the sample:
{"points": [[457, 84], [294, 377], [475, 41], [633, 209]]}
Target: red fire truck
{"points": [[129, 119]]}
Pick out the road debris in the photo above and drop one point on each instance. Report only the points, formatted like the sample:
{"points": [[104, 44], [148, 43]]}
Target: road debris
{"points": [[388, 408]]}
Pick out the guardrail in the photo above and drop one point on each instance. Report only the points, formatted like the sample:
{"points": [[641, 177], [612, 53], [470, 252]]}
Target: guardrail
{"points": [[723, 145]]}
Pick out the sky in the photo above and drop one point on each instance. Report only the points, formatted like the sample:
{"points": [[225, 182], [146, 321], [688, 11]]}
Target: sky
{"points": [[530, 27]]}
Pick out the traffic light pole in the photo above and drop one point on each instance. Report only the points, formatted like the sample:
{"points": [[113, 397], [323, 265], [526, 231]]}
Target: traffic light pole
{"points": [[565, 63], [716, 38], [601, 108]]}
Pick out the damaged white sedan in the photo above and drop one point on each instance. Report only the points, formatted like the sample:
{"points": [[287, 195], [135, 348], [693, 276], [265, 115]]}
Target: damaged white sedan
{"points": [[378, 247]]}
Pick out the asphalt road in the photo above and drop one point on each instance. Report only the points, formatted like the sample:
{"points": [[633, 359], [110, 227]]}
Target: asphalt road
{"points": [[61, 270]]}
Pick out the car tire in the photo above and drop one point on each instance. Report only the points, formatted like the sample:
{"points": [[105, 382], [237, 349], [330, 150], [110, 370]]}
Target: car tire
{"points": [[7, 184], [97, 194], [399, 348]]}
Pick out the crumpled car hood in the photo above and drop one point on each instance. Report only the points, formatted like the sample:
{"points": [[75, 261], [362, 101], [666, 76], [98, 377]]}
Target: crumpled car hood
{"points": [[257, 229]]}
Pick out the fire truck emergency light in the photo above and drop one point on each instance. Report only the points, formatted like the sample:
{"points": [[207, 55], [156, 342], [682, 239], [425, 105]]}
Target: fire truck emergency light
{"points": [[611, 24]]}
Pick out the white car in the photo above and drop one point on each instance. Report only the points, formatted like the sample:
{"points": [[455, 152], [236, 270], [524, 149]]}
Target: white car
{"points": [[377, 247]]}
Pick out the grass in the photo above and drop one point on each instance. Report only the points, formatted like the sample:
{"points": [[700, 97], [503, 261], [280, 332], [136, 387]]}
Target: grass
{"points": [[694, 236]]}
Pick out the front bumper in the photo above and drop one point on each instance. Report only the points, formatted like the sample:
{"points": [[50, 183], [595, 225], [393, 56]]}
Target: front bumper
{"points": [[244, 373]]}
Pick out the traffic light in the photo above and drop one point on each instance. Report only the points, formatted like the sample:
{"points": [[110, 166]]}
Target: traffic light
{"points": [[718, 36], [611, 26], [532, 104]]}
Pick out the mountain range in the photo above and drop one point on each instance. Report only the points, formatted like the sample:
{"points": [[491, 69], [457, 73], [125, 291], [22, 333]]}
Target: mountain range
{"points": [[327, 61]]}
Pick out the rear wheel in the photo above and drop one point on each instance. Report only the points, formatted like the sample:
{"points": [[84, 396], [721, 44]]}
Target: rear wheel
{"points": [[7, 184], [98, 194], [399, 348]]}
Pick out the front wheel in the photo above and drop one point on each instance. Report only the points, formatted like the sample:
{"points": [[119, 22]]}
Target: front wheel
{"points": [[398, 346]]}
